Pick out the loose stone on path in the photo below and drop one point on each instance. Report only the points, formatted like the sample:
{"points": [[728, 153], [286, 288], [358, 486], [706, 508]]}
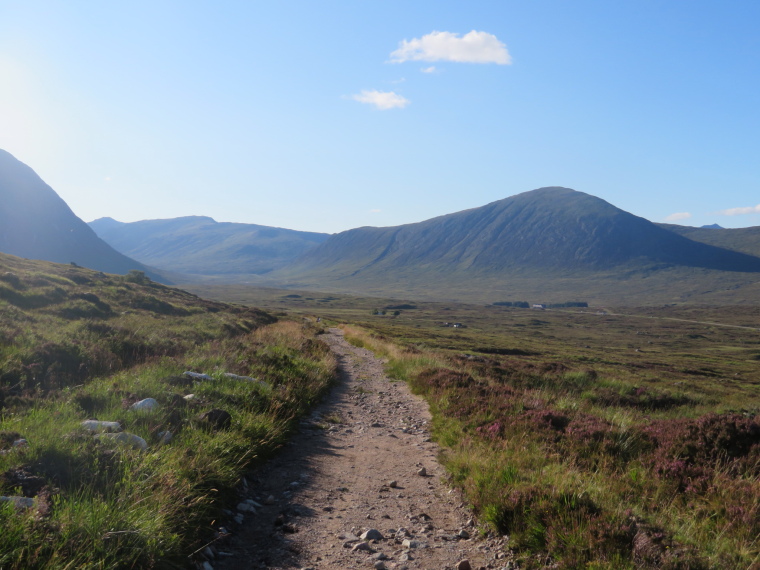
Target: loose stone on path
{"points": [[376, 464]]}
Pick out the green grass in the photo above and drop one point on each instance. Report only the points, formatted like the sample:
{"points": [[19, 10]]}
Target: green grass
{"points": [[102, 504]]}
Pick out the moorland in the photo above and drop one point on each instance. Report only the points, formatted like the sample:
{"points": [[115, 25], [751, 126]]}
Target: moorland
{"points": [[594, 437], [146, 489]]}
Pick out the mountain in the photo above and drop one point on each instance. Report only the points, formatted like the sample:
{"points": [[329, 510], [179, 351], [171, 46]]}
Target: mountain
{"points": [[555, 239], [746, 240], [36, 223], [713, 226], [200, 245]]}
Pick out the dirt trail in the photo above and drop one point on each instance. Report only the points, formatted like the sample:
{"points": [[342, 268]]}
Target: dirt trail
{"points": [[334, 481]]}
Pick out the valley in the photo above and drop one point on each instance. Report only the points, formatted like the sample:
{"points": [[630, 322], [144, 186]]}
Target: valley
{"points": [[590, 385]]}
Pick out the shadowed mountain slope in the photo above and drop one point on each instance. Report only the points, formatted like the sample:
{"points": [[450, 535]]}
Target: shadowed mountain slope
{"points": [[200, 245], [745, 240], [549, 230], [37, 224]]}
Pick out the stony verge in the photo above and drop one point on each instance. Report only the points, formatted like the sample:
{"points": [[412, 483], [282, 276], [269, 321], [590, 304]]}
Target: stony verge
{"points": [[358, 487]]}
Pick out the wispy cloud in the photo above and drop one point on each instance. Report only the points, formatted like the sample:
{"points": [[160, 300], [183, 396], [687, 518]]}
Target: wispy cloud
{"points": [[430, 69], [678, 216], [473, 47], [741, 211], [382, 100]]}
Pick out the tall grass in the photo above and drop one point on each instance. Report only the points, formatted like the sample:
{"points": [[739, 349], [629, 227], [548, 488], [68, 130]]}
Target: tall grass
{"points": [[98, 503]]}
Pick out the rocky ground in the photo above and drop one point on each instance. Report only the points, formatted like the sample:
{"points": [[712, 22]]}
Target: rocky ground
{"points": [[358, 487]]}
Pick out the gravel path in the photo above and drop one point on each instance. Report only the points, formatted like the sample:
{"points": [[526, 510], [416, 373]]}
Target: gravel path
{"points": [[363, 460]]}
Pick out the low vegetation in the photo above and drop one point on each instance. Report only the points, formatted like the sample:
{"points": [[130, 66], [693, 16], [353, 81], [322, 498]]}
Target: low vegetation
{"points": [[78, 345], [644, 458]]}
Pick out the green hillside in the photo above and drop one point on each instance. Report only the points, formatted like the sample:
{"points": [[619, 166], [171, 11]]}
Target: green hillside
{"points": [[79, 345]]}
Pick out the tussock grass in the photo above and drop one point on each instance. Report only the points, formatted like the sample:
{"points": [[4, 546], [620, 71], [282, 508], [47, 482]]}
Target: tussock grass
{"points": [[102, 504]]}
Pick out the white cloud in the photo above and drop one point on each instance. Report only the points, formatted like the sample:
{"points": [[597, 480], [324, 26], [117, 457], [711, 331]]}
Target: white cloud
{"points": [[375, 211], [741, 211], [678, 216], [430, 69], [383, 100], [474, 47]]}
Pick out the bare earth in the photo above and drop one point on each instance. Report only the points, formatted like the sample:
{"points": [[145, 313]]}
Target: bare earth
{"points": [[356, 465]]}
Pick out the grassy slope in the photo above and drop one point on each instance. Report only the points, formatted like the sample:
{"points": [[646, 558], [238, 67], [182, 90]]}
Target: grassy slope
{"points": [[76, 345]]}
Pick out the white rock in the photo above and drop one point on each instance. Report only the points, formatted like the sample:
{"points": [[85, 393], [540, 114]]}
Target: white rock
{"points": [[95, 425], [260, 383], [189, 397], [21, 443], [126, 438], [164, 437], [372, 534], [19, 502], [197, 375], [146, 405]]}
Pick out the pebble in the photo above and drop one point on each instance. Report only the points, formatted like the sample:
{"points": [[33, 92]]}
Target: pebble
{"points": [[422, 472], [379, 565], [463, 565], [362, 546], [393, 484], [463, 534], [372, 534]]}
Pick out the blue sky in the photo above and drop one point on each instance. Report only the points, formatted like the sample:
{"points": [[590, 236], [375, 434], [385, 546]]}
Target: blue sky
{"points": [[329, 115]]}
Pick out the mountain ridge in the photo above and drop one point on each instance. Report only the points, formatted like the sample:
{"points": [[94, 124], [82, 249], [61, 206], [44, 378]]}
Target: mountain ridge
{"points": [[199, 245], [550, 228], [36, 223]]}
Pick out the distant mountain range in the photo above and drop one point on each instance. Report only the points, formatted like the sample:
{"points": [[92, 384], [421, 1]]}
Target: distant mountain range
{"points": [[553, 241], [36, 223], [550, 229], [199, 245], [547, 245]]}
